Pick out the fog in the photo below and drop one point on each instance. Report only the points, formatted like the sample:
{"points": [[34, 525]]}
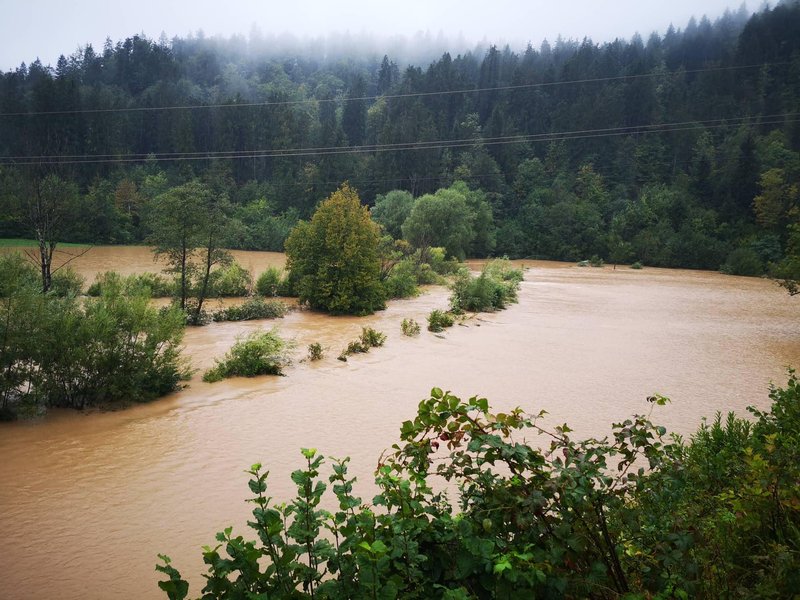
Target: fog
{"points": [[47, 28]]}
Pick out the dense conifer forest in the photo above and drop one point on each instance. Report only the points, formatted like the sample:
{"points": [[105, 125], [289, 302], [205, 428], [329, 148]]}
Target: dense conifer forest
{"points": [[678, 149]]}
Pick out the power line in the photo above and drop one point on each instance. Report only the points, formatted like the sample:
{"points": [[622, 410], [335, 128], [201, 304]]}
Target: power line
{"points": [[404, 146], [390, 96], [272, 152]]}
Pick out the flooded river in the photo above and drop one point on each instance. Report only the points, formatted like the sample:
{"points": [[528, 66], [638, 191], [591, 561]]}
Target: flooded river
{"points": [[88, 500]]}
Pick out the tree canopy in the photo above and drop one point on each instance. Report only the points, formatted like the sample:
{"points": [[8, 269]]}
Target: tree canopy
{"points": [[334, 257]]}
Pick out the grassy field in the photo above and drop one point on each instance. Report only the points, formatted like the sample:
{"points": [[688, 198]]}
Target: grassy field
{"points": [[17, 242]]}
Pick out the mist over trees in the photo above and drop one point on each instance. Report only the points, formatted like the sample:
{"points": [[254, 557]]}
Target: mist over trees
{"points": [[676, 150]]}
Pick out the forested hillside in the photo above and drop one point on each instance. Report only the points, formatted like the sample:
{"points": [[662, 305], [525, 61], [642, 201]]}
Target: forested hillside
{"points": [[676, 150]]}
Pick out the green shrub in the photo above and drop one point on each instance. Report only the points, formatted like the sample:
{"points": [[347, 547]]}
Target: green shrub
{"points": [[402, 280], [16, 273], [155, 285], [260, 353], [596, 261], [195, 317], [269, 282], [251, 309], [66, 282], [440, 264], [409, 327], [354, 347], [335, 258], [637, 265], [502, 270], [637, 514], [315, 351], [288, 285], [743, 261], [231, 281], [493, 289], [439, 319], [67, 353], [370, 338], [427, 276]]}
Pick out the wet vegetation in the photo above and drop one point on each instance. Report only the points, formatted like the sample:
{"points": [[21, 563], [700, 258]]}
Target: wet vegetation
{"points": [[438, 320], [260, 353], [409, 327], [681, 151], [315, 351], [494, 289], [640, 514], [370, 338], [251, 309], [106, 351]]}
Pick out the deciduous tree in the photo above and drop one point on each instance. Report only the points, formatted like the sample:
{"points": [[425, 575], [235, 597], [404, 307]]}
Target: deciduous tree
{"points": [[334, 257]]}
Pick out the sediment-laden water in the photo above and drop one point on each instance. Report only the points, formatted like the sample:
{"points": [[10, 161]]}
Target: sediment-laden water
{"points": [[89, 499]]}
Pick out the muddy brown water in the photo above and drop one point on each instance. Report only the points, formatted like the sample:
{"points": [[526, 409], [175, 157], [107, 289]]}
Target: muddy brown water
{"points": [[88, 500]]}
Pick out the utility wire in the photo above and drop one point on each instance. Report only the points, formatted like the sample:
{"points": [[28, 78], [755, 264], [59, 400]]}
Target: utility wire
{"points": [[377, 147], [406, 146], [391, 96]]}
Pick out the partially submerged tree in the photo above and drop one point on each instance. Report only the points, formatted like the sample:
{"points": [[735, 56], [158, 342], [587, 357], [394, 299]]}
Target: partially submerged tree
{"points": [[213, 234], [335, 258], [190, 226], [45, 212], [176, 220]]}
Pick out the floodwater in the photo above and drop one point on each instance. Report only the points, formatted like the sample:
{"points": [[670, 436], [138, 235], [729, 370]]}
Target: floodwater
{"points": [[88, 500]]}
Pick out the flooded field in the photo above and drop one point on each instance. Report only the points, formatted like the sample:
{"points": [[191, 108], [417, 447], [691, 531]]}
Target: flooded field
{"points": [[90, 499]]}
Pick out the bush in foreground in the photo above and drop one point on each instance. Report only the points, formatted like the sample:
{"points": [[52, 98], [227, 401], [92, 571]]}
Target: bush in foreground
{"points": [[260, 353], [637, 515]]}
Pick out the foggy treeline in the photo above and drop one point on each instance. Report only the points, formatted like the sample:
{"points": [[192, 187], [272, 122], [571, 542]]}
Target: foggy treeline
{"points": [[680, 149]]}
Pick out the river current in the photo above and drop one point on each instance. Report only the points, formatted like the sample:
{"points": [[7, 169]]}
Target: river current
{"points": [[89, 499]]}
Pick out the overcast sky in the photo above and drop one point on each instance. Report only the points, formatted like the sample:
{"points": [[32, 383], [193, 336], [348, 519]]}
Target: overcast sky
{"points": [[47, 28]]}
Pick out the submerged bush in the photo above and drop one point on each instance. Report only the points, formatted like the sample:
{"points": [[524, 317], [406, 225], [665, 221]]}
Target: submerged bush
{"points": [[493, 289], [409, 327], [370, 338], [438, 320], [251, 309], [260, 353], [315, 351], [230, 281], [269, 282], [639, 514], [61, 352], [153, 284]]}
